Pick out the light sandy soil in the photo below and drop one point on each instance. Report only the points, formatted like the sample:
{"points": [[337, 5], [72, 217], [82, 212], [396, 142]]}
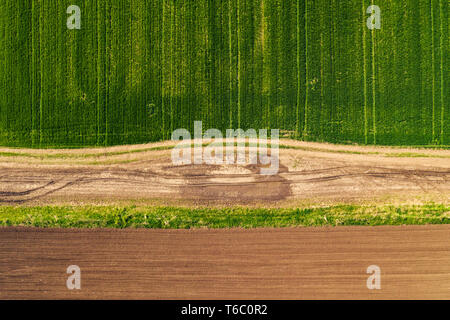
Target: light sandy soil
{"points": [[316, 174], [293, 263]]}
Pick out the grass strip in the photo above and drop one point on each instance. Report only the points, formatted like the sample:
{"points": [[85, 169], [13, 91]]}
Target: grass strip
{"points": [[238, 217]]}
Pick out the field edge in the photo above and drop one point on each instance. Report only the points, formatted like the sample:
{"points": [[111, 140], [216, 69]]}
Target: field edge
{"points": [[160, 217]]}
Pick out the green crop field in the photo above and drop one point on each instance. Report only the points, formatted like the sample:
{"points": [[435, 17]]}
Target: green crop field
{"points": [[138, 69]]}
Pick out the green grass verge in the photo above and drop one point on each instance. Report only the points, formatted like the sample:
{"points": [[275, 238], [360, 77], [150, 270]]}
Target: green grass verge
{"points": [[161, 148], [81, 156], [187, 218]]}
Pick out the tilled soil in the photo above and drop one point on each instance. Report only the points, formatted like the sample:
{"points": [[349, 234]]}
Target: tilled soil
{"points": [[292, 263]]}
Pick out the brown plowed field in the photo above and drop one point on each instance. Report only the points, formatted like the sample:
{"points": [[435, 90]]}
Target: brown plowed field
{"points": [[293, 263]]}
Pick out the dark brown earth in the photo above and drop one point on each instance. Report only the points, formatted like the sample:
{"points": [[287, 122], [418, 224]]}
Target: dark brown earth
{"points": [[294, 263]]}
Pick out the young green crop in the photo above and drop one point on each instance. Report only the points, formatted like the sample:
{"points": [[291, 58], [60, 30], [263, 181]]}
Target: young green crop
{"points": [[137, 70]]}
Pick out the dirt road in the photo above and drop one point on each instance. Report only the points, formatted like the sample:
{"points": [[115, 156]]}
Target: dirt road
{"points": [[294, 263], [311, 174]]}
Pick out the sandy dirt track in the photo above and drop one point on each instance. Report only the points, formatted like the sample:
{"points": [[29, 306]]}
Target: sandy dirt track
{"points": [[316, 173], [293, 263]]}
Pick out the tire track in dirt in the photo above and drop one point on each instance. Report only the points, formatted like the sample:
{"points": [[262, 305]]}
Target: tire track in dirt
{"points": [[302, 175], [198, 183]]}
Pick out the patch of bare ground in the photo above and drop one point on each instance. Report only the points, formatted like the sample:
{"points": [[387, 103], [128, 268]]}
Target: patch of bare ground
{"points": [[292, 263], [314, 174]]}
